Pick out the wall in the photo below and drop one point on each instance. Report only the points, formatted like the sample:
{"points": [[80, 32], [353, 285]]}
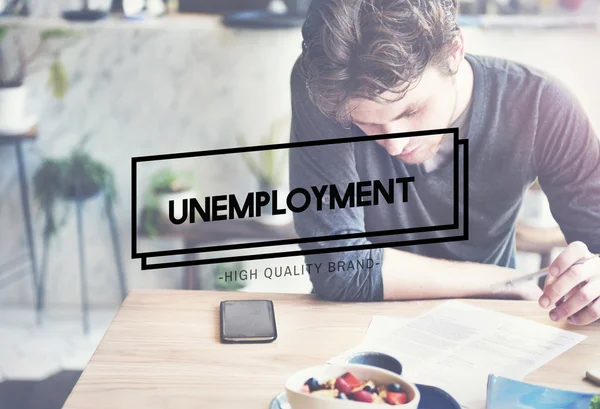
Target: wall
{"points": [[139, 89]]}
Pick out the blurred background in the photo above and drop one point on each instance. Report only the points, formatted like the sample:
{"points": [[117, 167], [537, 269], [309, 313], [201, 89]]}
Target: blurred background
{"points": [[86, 86]]}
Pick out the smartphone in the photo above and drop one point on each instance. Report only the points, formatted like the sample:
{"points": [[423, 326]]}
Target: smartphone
{"points": [[248, 321]]}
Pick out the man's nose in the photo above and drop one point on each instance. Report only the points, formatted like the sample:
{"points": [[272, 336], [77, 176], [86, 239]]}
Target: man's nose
{"points": [[393, 128], [394, 146]]}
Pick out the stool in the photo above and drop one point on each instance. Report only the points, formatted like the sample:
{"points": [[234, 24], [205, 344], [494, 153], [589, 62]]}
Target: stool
{"points": [[18, 140], [114, 234]]}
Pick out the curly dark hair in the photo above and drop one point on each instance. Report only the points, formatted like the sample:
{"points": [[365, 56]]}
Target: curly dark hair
{"points": [[362, 48]]}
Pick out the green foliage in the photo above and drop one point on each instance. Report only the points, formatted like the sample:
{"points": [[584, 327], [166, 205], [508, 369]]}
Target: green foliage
{"points": [[58, 79], [168, 180], [57, 33], [48, 183], [86, 176], [268, 168], [162, 182], [3, 32], [75, 177], [595, 402]]}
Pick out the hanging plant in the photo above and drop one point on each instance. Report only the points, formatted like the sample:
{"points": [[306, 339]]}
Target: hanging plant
{"points": [[76, 177], [16, 63]]}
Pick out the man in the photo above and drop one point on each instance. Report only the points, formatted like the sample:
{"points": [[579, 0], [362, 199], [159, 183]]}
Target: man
{"points": [[377, 67]]}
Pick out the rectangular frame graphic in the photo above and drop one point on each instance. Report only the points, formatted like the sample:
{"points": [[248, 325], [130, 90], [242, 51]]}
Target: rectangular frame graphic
{"points": [[198, 250]]}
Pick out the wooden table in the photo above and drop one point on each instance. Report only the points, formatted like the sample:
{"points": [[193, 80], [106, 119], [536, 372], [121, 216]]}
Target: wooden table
{"points": [[162, 350]]}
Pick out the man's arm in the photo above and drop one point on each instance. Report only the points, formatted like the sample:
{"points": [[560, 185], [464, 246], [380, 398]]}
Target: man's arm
{"points": [[567, 160], [327, 165], [396, 275], [568, 165], [412, 276]]}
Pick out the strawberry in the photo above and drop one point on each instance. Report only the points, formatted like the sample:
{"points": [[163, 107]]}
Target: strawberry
{"points": [[396, 398], [351, 380], [342, 385], [305, 389], [363, 396]]}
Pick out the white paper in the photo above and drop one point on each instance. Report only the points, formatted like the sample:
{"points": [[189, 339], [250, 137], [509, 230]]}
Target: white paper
{"points": [[382, 325], [455, 346], [379, 327]]}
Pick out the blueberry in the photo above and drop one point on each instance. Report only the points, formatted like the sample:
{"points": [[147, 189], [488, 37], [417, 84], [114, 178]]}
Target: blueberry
{"points": [[394, 387], [369, 389], [312, 384], [342, 396]]}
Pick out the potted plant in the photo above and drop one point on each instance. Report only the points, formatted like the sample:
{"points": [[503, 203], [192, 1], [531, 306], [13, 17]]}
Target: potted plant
{"points": [[270, 168], [16, 63], [76, 177], [165, 185]]}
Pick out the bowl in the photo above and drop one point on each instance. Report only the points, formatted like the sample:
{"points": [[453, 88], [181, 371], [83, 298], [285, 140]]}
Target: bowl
{"points": [[377, 359], [300, 400]]}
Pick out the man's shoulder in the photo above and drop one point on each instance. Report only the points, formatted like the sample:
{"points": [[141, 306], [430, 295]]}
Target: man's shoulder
{"points": [[512, 83], [510, 72]]}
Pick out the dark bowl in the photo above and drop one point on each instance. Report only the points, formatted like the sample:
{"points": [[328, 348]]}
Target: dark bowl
{"points": [[260, 19], [84, 15], [377, 359]]}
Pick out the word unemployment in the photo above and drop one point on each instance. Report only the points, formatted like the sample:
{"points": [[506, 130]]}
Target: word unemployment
{"points": [[227, 207]]}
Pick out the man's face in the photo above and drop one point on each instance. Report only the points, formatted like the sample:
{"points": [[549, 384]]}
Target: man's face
{"points": [[428, 105]]}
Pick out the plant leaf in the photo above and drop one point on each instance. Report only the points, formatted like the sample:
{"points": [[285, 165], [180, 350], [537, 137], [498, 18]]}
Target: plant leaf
{"points": [[57, 33], [58, 79], [3, 32]]}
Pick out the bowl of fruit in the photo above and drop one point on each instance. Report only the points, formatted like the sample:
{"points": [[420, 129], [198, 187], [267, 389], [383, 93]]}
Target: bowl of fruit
{"points": [[349, 386]]}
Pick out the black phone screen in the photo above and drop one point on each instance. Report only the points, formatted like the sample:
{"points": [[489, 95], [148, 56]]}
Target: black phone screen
{"points": [[250, 321]]}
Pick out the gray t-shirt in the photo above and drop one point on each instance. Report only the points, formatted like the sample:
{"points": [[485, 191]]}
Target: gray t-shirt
{"points": [[446, 149], [522, 125]]}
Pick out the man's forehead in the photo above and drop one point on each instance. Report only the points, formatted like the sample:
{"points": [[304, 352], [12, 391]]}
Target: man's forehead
{"points": [[412, 98], [369, 112]]}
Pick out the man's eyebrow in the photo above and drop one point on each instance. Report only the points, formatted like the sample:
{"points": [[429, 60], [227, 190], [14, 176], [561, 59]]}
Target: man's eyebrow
{"points": [[409, 108]]}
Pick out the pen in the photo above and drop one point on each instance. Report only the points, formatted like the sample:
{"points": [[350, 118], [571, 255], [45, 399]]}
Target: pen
{"points": [[543, 272]]}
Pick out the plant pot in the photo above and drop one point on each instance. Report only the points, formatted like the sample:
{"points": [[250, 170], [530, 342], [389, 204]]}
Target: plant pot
{"points": [[81, 192], [535, 211], [12, 110]]}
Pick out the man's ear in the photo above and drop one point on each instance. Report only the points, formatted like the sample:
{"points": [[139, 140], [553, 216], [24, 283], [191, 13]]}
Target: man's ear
{"points": [[457, 53]]}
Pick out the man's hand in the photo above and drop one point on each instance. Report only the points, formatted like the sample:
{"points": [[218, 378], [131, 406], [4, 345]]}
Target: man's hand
{"points": [[574, 292], [528, 291]]}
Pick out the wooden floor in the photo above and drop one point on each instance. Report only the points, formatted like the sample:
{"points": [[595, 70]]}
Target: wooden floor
{"points": [[50, 393]]}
